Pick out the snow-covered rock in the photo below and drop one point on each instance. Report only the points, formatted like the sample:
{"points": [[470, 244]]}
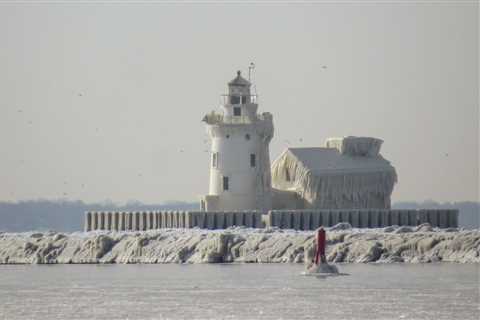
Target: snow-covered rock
{"points": [[397, 244]]}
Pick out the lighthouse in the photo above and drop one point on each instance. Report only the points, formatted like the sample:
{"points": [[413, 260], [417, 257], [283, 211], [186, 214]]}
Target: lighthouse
{"points": [[240, 176]]}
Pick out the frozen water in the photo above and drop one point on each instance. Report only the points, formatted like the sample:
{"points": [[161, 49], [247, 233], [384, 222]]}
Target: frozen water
{"points": [[238, 291]]}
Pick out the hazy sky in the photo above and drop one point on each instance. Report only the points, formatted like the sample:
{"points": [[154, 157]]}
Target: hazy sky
{"points": [[105, 101]]}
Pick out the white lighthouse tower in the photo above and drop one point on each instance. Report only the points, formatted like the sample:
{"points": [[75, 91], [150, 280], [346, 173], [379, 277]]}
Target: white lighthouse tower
{"points": [[240, 163]]}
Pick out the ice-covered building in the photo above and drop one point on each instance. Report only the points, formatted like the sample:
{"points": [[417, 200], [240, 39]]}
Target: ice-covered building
{"points": [[348, 173], [303, 189], [240, 164]]}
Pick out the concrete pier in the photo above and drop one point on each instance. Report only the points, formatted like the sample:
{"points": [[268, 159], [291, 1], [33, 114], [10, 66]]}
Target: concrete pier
{"points": [[142, 221], [313, 219], [284, 219]]}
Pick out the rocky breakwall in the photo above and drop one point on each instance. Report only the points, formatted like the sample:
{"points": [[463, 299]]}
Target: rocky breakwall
{"points": [[271, 245]]}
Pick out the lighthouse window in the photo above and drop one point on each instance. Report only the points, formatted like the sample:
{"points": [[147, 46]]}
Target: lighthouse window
{"points": [[234, 99], [252, 160], [237, 111], [225, 183], [215, 160], [247, 136]]}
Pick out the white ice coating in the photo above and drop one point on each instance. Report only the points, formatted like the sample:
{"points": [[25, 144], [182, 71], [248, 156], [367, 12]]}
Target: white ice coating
{"points": [[239, 134], [349, 173], [356, 146], [391, 244], [323, 268]]}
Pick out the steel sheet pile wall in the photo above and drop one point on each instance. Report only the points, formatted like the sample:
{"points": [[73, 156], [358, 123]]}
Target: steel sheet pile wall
{"points": [[312, 219], [149, 220], [285, 219], [225, 219]]}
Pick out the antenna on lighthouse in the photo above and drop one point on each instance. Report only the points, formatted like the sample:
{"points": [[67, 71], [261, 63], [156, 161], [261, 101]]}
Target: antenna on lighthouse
{"points": [[250, 69]]}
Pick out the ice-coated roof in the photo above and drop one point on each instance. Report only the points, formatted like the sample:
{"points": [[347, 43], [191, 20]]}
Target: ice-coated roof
{"points": [[330, 160], [239, 81]]}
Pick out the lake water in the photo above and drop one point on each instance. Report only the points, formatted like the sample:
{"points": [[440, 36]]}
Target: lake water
{"points": [[242, 291]]}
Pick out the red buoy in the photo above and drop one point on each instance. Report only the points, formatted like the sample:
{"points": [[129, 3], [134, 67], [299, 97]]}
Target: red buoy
{"points": [[321, 240]]}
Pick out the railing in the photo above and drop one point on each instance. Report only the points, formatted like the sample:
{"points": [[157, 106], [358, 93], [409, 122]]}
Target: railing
{"points": [[216, 118], [234, 99], [237, 120]]}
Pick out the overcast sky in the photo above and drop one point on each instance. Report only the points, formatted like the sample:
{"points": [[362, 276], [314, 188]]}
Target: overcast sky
{"points": [[105, 101]]}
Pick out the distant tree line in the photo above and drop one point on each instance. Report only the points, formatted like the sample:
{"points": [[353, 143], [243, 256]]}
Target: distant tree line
{"points": [[68, 216]]}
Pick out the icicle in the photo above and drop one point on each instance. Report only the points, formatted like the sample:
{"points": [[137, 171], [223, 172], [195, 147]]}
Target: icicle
{"points": [[350, 189]]}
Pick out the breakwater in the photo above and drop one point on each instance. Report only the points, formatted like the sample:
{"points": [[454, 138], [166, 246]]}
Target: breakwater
{"points": [[366, 218], [271, 245], [151, 220], [284, 219]]}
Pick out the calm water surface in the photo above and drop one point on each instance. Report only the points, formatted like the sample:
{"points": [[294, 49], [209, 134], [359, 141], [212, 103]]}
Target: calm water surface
{"points": [[250, 291]]}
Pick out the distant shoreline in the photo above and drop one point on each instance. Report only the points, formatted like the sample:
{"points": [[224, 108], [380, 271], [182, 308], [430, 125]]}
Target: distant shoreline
{"points": [[69, 216], [239, 245]]}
